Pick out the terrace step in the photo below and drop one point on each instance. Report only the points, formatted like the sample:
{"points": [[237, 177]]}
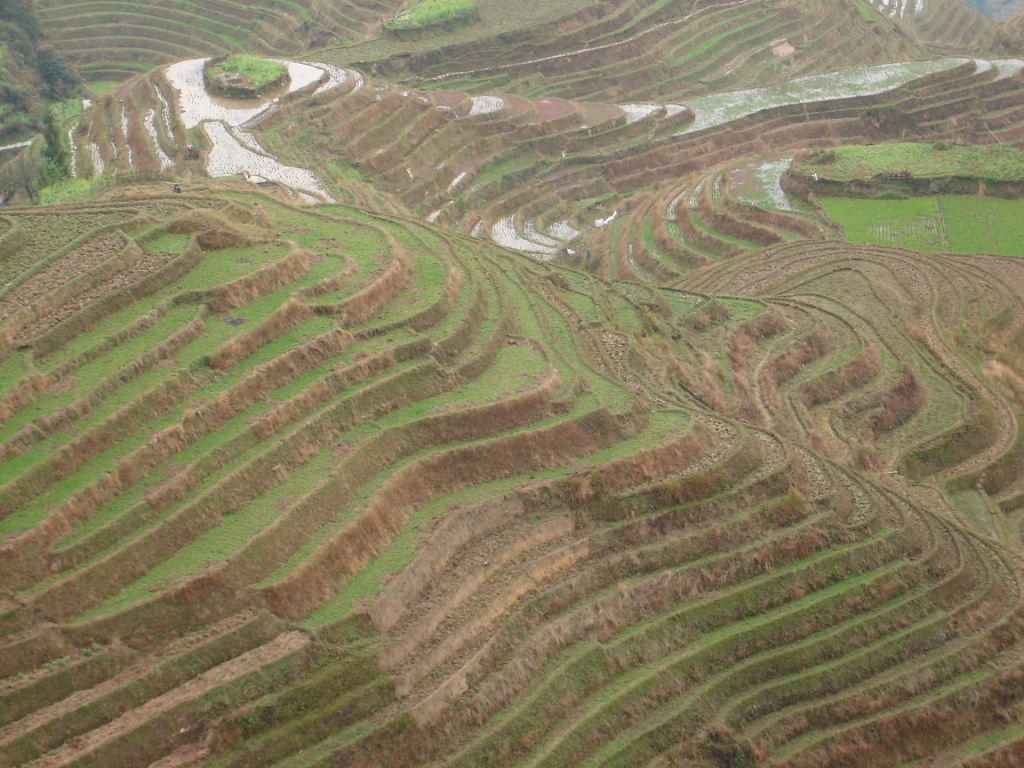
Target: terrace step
{"points": [[554, 697], [149, 680], [280, 726]]}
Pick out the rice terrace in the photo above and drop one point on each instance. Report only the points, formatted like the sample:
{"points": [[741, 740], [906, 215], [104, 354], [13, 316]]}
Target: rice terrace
{"points": [[466, 383]]}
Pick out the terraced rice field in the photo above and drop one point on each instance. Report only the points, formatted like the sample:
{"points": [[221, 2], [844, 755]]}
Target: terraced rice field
{"points": [[273, 452], [995, 162], [114, 39], [506, 398], [533, 172]]}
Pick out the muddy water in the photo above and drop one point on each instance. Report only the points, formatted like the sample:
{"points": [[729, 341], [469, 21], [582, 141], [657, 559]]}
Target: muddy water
{"points": [[238, 153], [196, 105]]}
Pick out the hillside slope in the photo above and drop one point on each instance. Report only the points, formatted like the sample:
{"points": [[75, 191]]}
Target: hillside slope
{"points": [[504, 513], [504, 398]]}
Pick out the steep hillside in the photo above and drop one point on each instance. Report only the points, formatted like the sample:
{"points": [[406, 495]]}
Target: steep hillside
{"points": [[548, 389], [504, 513], [112, 39], [30, 69]]}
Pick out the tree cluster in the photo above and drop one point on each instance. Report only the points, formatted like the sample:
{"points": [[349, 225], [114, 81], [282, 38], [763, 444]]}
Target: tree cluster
{"points": [[33, 74], [31, 71]]}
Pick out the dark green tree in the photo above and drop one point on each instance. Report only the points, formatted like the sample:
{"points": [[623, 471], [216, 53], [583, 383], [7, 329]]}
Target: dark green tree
{"points": [[54, 70], [22, 174], [54, 152], [22, 14], [22, 48]]}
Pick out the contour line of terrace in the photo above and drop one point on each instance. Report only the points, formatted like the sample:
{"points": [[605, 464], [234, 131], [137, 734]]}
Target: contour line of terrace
{"points": [[590, 49], [235, 154], [734, 105]]}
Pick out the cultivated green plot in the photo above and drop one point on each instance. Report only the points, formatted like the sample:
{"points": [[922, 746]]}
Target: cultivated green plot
{"points": [[228, 537], [430, 12], [984, 225], [915, 224], [996, 162], [254, 71], [953, 224]]}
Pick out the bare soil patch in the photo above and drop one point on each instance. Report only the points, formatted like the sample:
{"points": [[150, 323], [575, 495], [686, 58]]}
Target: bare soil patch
{"points": [[80, 260], [516, 106], [598, 114], [62, 385], [783, 50], [449, 99], [551, 109], [149, 263]]}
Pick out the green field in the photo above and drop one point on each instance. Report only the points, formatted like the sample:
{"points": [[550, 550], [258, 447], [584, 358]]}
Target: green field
{"points": [[101, 87], [258, 71], [952, 224], [990, 162], [429, 12]]}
